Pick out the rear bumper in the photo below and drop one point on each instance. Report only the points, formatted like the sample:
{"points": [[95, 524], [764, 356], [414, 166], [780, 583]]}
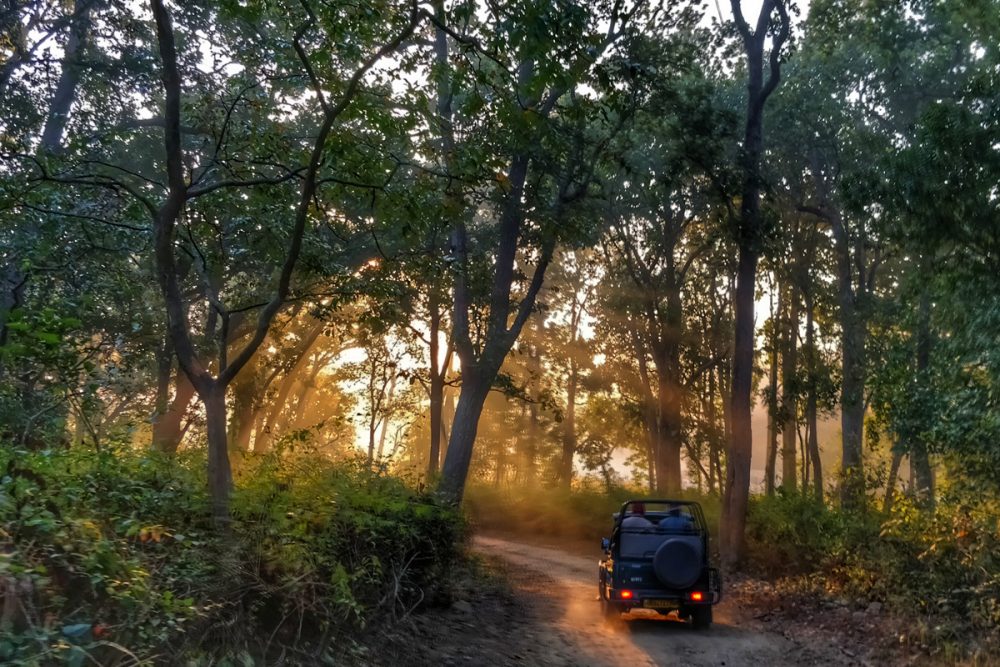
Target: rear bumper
{"points": [[709, 588]]}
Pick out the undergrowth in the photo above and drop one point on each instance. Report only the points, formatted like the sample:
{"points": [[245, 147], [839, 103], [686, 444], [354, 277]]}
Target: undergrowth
{"points": [[109, 558], [939, 569]]}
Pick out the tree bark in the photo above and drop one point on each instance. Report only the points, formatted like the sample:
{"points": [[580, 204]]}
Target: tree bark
{"points": [[812, 421], [220, 479], [437, 372], [737, 495], [243, 413], [892, 481], [667, 355], [244, 432], [569, 427], [852, 402], [69, 77], [670, 436], [714, 479], [447, 420], [789, 406], [455, 471], [920, 465], [772, 397], [168, 428]]}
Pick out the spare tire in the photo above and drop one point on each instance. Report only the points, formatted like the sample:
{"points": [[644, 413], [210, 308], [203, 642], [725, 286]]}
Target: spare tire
{"points": [[677, 562]]}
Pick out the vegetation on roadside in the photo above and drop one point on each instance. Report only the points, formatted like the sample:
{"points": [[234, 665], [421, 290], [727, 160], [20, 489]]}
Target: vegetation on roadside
{"points": [[940, 571], [110, 557]]}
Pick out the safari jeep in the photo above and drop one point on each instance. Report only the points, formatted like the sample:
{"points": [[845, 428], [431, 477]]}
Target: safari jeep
{"points": [[657, 558]]}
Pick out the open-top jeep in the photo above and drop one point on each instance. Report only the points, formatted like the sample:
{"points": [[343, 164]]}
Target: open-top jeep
{"points": [[657, 558]]}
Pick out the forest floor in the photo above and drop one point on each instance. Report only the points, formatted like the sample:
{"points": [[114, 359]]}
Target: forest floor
{"points": [[531, 604]]}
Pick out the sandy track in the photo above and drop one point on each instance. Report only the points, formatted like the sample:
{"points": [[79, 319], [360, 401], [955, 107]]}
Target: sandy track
{"points": [[563, 589]]}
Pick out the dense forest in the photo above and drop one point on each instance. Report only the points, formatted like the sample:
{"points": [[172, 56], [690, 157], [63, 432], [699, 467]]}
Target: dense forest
{"points": [[284, 282]]}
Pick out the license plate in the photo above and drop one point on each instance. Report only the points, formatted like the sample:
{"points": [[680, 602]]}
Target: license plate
{"points": [[659, 604]]}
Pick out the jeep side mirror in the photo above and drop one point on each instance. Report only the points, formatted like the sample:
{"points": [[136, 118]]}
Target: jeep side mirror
{"points": [[605, 544]]}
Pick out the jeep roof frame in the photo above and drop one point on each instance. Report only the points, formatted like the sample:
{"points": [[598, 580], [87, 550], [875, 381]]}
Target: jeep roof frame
{"points": [[692, 504]]}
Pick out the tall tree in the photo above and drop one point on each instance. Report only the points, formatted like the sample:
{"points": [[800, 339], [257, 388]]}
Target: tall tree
{"points": [[774, 19]]}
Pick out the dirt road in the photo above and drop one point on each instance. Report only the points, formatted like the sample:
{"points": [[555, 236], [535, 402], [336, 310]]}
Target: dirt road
{"points": [[569, 629]]}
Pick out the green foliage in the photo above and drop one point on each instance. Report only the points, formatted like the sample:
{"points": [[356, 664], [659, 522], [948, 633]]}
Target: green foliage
{"points": [[111, 554], [941, 569], [40, 360]]}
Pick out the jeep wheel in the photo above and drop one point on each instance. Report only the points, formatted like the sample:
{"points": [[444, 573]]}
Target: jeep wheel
{"points": [[701, 617]]}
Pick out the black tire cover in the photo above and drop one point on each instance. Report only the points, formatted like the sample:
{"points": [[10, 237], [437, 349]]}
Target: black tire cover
{"points": [[677, 562]]}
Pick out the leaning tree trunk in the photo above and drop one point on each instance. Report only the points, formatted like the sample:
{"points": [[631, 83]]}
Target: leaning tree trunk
{"points": [[479, 370], [892, 481], [169, 426], [69, 77]]}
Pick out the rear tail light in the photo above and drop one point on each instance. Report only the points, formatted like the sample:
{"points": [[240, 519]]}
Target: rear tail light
{"points": [[697, 596], [626, 595]]}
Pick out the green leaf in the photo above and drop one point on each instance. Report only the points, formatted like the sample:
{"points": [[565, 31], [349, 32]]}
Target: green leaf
{"points": [[48, 337]]}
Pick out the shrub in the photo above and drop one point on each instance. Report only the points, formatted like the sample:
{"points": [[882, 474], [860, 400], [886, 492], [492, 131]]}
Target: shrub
{"points": [[941, 569], [110, 555]]}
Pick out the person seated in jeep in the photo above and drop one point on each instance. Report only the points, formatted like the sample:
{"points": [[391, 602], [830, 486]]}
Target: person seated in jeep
{"points": [[636, 518], [676, 520]]}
